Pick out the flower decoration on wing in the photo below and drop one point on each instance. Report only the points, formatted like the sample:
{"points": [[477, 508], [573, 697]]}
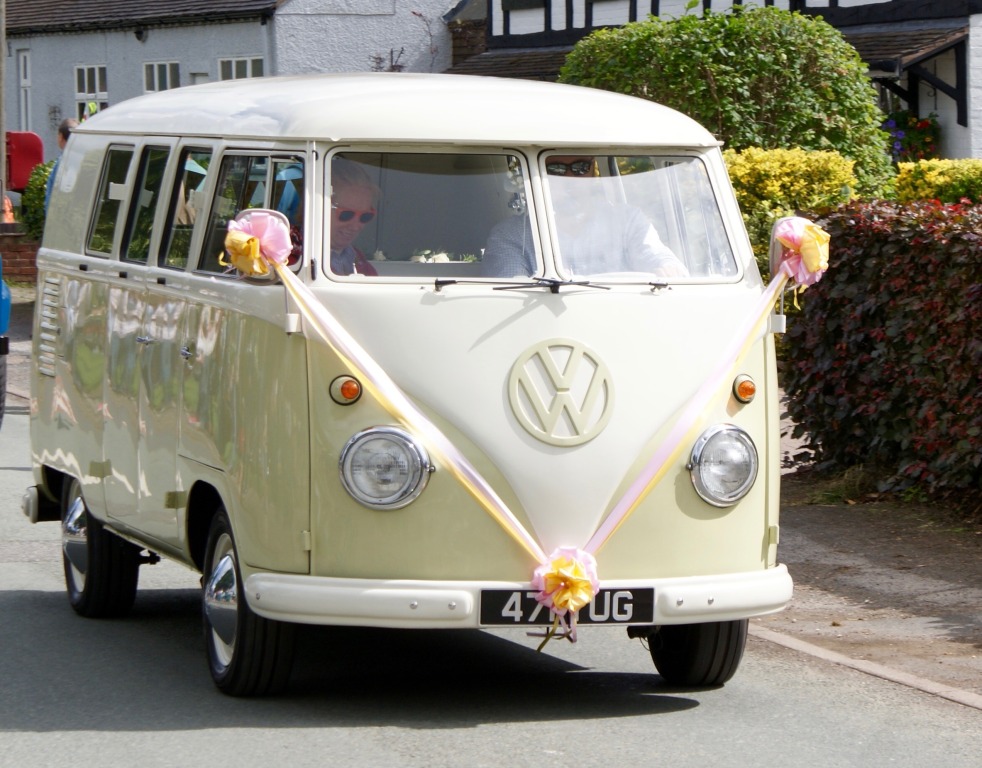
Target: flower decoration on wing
{"points": [[255, 240], [806, 250], [564, 584]]}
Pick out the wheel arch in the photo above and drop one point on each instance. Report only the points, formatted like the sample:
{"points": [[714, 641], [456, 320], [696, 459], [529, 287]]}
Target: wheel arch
{"points": [[204, 502]]}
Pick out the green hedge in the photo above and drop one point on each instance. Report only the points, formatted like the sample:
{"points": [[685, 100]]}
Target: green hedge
{"points": [[949, 181], [32, 201], [882, 365], [754, 77], [771, 183]]}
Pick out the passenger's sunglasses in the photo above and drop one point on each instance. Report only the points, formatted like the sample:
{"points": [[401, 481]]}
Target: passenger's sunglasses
{"points": [[575, 168], [347, 214]]}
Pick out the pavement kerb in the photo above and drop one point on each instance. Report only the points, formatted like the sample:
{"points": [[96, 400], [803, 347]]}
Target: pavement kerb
{"points": [[957, 695]]}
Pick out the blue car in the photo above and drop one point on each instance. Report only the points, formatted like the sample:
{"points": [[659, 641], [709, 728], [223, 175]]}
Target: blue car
{"points": [[4, 341]]}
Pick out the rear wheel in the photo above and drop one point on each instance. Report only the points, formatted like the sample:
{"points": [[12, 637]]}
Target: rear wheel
{"points": [[248, 655], [698, 654], [101, 569]]}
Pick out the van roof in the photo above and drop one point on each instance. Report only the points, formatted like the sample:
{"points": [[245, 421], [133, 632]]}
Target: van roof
{"points": [[400, 107]]}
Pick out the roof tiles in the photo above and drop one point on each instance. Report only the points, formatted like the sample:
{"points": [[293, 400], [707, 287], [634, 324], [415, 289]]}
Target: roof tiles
{"points": [[51, 16]]}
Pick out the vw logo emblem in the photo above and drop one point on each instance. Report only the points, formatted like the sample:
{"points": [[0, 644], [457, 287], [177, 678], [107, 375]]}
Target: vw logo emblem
{"points": [[561, 392]]}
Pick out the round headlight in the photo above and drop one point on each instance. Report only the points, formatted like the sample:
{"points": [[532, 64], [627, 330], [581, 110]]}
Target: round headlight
{"points": [[384, 468], [723, 465]]}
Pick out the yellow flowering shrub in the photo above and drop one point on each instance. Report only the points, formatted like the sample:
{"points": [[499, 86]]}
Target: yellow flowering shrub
{"points": [[949, 181], [771, 183]]}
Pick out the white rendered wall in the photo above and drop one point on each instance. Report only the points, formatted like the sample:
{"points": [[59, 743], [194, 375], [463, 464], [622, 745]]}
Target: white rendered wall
{"points": [[974, 144], [610, 13], [361, 35], [54, 58]]}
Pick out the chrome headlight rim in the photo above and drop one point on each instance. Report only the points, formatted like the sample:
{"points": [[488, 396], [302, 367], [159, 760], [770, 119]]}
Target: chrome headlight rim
{"points": [[418, 465], [695, 466]]}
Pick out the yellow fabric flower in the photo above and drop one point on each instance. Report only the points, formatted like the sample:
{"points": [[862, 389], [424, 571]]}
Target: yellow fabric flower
{"points": [[815, 248], [244, 254], [568, 584]]}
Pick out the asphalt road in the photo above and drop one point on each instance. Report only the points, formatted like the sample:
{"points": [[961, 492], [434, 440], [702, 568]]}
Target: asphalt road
{"points": [[79, 692]]}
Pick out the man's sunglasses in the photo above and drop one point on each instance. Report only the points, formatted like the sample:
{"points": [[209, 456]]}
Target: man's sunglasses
{"points": [[347, 214], [576, 168]]}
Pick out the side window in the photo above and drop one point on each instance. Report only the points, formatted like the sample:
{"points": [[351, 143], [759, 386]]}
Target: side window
{"points": [[186, 200], [241, 184], [287, 198], [252, 181], [112, 191], [143, 206]]}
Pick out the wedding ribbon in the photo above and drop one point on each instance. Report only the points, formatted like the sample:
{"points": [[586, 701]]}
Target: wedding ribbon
{"points": [[259, 230], [566, 580]]}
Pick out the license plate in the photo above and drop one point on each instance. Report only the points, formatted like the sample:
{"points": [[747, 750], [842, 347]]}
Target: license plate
{"points": [[509, 608]]}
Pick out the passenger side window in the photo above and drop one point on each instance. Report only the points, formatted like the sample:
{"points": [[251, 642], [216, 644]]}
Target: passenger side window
{"points": [[253, 181], [112, 192], [186, 200], [143, 206]]}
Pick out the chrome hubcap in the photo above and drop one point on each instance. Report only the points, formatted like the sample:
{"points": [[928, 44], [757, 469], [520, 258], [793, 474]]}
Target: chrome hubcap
{"points": [[75, 541], [222, 600]]}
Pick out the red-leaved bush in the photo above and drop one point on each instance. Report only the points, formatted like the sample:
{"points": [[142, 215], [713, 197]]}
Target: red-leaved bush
{"points": [[883, 366]]}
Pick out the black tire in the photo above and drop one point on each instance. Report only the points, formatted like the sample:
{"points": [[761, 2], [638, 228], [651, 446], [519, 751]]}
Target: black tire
{"points": [[101, 569], [247, 654], [698, 654]]}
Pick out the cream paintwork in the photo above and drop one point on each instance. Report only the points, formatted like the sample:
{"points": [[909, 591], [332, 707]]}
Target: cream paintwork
{"points": [[222, 396]]}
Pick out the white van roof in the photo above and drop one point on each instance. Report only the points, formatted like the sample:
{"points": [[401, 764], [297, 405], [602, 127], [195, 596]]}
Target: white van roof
{"points": [[400, 107]]}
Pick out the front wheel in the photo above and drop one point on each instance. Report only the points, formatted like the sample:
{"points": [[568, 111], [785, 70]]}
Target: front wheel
{"points": [[101, 569], [248, 655], [698, 654]]}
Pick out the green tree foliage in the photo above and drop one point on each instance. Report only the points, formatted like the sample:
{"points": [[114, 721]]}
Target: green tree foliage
{"points": [[755, 77], [32, 201], [771, 183]]}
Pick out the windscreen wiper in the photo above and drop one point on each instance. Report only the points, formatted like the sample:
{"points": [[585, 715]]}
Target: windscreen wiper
{"points": [[552, 283]]}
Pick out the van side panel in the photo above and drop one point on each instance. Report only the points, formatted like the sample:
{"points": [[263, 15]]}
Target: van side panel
{"points": [[244, 411], [69, 365]]}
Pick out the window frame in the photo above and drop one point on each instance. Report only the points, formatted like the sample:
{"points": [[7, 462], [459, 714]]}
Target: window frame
{"points": [[106, 197], [96, 75], [250, 63], [155, 71]]}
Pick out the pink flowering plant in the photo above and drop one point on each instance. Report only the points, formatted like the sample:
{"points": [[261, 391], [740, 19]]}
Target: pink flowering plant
{"points": [[911, 137]]}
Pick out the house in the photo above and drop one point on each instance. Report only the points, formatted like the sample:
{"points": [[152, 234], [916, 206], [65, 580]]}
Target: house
{"points": [[65, 57], [923, 56]]}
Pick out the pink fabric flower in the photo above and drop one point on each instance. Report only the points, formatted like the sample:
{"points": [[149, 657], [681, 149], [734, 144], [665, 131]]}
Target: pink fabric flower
{"points": [[271, 229], [806, 254]]}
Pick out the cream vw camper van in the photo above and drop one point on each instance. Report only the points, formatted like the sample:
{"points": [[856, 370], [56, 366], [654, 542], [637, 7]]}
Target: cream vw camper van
{"points": [[487, 378]]}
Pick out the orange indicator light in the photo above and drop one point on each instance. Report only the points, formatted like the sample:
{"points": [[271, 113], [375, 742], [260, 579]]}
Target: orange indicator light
{"points": [[744, 388], [345, 390]]}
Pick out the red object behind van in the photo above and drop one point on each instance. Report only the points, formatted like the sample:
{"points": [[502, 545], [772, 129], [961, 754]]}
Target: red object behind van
{"points": [[24, 151]]}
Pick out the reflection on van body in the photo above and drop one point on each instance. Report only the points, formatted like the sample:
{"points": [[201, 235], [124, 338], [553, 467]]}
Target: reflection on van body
{"points": [[548, 293]]}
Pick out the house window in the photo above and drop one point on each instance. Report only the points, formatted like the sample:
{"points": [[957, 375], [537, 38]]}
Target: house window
{"points": [[237, 69], [24, 85], [161, 76], [91, 90]]}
